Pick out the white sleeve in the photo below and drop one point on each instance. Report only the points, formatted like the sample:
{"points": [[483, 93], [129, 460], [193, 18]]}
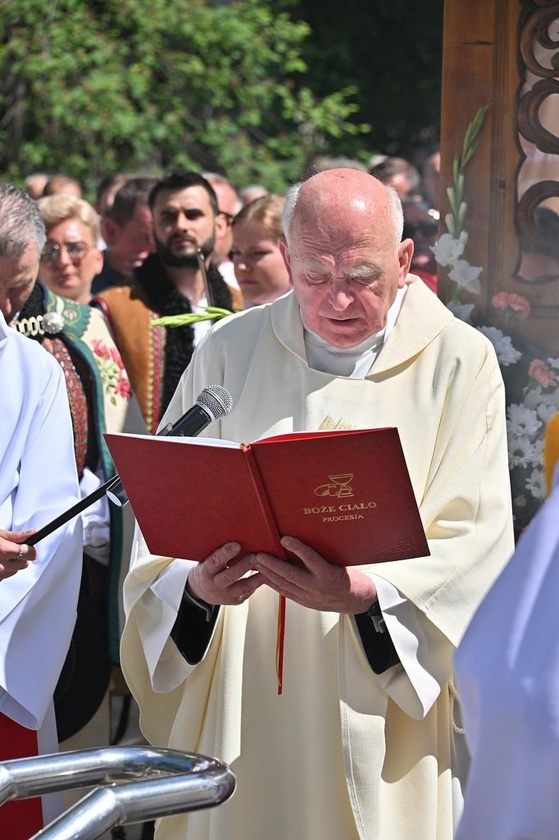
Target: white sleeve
{"points": [[412, 687], [38, 481], [95, 520]]}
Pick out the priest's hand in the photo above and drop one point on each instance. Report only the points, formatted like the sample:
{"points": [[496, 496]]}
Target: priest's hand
{"points": [[220, 579], [14, 556], [316, 583]]}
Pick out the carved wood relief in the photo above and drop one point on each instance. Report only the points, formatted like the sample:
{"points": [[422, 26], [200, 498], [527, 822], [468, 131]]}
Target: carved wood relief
{"points": [[538, 138], [503, 55]]}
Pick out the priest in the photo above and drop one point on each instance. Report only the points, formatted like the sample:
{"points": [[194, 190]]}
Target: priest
{"points": [[361, 741]]}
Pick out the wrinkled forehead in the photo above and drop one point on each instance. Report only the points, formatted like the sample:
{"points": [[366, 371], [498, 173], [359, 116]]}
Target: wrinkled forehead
{"points": [[330, 214], [355, 231]]}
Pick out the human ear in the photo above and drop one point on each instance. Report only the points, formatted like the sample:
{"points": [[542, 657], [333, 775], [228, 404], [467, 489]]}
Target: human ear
{"points": [[109, 231], [220, 225], [284, 249], [405, 254]]}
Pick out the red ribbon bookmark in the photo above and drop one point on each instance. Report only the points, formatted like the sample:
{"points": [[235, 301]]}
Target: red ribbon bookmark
{"points": [[280, 642]]}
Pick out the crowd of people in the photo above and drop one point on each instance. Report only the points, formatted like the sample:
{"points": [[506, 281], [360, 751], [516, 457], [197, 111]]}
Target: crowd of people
{"points": [[316, 309]]}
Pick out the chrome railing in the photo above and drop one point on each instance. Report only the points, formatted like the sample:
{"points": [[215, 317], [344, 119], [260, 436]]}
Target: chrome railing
{"points": [[131, 785]]}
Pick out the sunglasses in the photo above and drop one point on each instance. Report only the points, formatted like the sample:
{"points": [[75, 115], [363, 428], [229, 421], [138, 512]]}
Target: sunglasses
{"points": [[75, 250]]}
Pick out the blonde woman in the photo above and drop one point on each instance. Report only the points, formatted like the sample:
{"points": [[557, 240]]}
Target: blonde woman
{"points": [[259, 266], [70, 258]]}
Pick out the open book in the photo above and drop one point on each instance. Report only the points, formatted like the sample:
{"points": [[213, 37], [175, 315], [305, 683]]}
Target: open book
{"points": [[345, 493]]}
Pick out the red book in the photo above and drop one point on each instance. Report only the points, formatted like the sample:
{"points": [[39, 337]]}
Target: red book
{"points": [[346, 493]]}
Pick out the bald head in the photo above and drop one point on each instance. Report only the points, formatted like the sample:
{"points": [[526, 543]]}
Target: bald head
{"points": [[344, 197], [344, 255]]}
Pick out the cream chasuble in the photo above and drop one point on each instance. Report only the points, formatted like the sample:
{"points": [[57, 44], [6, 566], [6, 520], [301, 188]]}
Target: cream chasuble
{"points": [[343, 753]]}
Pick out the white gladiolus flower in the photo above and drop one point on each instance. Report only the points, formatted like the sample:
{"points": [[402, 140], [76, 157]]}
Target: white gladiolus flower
{"points": [[461, 310], [448, 250], [467, 276]]}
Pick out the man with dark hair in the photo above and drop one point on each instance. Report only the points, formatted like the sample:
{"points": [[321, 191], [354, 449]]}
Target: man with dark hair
{"points": [[178, 279], [107, 188], [127, 229]]}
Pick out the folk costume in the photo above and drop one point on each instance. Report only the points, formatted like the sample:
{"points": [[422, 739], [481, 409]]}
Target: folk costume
{"points": [[38, 481], [155, 356], [99, 393], [351, 748]]}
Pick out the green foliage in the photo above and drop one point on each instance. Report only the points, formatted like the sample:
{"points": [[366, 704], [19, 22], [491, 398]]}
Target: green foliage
{"points": [[92, 87], [390, 52], [455, 219]]}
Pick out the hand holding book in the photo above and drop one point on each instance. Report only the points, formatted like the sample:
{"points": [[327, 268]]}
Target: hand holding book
{"points": [[228, 578]]}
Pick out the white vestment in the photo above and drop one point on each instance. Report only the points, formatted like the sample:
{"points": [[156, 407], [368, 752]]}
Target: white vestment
{"points": [[343, 752], [507, 668], [38, 481]]}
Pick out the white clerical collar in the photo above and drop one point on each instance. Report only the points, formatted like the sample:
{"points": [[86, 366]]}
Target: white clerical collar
{"points": [[354, 362]]}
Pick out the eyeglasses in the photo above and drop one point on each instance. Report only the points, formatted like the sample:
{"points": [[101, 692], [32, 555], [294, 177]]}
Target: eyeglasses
{"points": [[228, 216], [75, 250]]}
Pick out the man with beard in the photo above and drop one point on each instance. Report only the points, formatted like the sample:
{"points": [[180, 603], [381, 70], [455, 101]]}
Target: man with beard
{"points": [[178, 279]]}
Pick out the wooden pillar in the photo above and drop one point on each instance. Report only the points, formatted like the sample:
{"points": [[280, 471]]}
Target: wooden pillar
{"points": [[480, 69], [503, 56]]}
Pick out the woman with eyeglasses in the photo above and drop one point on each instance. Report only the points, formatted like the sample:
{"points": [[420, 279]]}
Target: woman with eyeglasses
{"points": [[54, 311], [70, 258]]}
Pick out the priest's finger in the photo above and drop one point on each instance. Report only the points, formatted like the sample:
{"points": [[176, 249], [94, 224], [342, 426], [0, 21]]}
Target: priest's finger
{"points": [[311, 559], [219, 559]]}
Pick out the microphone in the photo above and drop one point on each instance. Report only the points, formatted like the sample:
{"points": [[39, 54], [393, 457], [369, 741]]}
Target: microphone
{"points": [[213, 403]]}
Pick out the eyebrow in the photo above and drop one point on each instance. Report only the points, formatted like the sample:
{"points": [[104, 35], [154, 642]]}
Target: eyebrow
{"points": [[357, 272]]}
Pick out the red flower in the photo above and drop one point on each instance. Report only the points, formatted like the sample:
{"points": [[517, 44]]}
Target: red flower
{"points": [[512, 304], [543, 375]]}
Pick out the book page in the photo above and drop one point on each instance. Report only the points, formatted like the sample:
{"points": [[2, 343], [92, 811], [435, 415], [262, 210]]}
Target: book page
{"points": [[185, 439]]}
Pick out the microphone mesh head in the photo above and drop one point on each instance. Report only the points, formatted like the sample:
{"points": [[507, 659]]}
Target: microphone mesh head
{"points": [[216, 400]]}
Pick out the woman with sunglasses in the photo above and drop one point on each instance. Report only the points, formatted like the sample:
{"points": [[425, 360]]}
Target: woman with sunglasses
{"points": [[71, 258]]}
